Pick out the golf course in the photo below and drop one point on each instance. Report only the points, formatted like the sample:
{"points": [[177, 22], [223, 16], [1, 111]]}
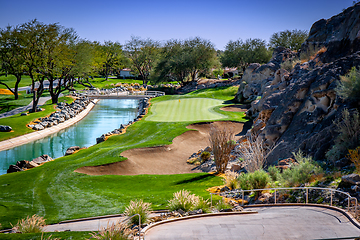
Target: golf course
{"points": [[57, 192]]}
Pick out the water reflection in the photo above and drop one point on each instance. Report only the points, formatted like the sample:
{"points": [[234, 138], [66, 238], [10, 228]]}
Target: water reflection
{"points": [[107, 115]]}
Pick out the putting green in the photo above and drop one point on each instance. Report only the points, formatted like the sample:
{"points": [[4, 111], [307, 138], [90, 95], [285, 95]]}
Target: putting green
{"points": [[182, 110]]}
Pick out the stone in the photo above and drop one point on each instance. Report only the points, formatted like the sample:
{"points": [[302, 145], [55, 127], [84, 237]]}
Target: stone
{"points": [[31, 164], [22, 163], [38, 127], [194, 212], [23, 114], [353, 179], [4, 128], [100, 139], [182, 212], [42, 159], [13, 168], [225, 189]]}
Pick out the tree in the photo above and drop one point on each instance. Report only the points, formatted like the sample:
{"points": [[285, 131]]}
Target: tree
{"points": [[11, 56], [183, 61], [57, 54], [143, 54], [288, 39], [32, 41], [108, 57], [240, 54]]}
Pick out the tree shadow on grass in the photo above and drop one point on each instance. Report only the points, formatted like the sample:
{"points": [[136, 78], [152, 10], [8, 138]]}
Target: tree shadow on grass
{"points": [[195, 179]]}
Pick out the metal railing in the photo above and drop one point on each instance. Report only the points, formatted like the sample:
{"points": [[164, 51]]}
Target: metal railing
{"points": [[114, 92], [276, 191]]}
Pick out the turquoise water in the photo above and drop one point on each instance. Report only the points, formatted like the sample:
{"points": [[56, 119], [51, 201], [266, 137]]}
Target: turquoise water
{"points": [[107, 115]]}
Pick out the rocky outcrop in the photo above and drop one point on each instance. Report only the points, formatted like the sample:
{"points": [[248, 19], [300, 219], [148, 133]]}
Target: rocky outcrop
{"points": [[296, 109], [258, 78], [339, 34], [210, 83]]}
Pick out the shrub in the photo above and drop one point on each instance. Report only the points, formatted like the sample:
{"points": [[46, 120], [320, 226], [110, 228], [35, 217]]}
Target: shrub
{"points": [[254, 153], [274, 173], [138, 207], [289, 64], [353, 156], [302, 172], [183, 200], [348, 129], [255, 180], [221, 204], [349, 85], [205, 155], [231, 180], [117, 231], [33, 224], [221, 144], [202, 204]]}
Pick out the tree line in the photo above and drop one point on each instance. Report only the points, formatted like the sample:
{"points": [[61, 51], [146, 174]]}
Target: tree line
{"points": [[57, 54]]}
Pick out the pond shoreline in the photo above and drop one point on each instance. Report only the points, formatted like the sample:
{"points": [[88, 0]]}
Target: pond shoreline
{"points": [[23, 139]]}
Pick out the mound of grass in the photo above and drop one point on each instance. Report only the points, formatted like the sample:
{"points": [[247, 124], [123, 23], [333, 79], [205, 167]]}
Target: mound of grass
{"points": [[8, 103], [10, 80]]}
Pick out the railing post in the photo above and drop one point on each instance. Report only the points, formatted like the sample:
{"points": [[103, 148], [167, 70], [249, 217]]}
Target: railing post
{"points": [[211, 199], [307, 196], [275, 196], [331, 197], [242, 197]]}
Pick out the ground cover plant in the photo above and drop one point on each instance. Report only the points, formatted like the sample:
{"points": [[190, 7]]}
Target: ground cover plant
{"points": [[18, 123], [57, 193]]}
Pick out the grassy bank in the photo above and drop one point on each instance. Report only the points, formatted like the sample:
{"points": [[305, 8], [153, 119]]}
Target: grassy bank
{"points": [[18, 123], [56, 192]]}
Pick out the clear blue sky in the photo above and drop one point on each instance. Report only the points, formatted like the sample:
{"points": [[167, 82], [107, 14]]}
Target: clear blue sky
{"points": [[215, 20]]}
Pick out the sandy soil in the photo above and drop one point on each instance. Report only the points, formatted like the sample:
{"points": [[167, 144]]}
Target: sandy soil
{"points": [[169, 159], [236, 108]]}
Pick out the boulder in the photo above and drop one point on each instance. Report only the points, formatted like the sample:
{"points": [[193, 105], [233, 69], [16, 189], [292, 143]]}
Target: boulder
{"points": [[353, 179], [38, 127], [4, 128], [13, 168], [100, 139], [23, 114], [31, 164], [22, 163], [42, 159], [71, 150]]}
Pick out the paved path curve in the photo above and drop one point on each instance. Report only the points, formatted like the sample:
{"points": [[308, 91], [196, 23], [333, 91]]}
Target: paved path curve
{"points": [[18, 110], [295, 222]]}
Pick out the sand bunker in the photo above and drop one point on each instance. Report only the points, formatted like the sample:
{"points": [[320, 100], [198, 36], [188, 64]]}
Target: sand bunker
{"points": [[169, 159], [236, 108]]}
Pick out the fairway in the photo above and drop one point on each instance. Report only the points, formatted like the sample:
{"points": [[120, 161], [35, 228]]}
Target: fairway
{"points": [[182, 110]]}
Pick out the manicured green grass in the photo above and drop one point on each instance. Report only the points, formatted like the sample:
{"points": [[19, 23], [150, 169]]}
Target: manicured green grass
{"points": [[10, 80], [7, 102], [102, 83], [18, 123], [57, 193], [182, 110]]}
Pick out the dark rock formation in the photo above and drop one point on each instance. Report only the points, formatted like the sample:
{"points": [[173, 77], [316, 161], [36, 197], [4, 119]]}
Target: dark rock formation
{"points": [[297, 109]]}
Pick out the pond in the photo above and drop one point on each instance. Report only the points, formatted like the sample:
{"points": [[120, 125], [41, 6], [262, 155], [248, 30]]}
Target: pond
{"points": [[107, 115]]}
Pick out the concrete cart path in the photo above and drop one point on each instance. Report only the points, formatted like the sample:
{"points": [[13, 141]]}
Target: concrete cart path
{"points": [[295, 222]]}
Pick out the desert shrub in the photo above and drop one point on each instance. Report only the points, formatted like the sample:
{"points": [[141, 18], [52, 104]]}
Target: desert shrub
{"points": [[274, 173], [117, 231], [302, 172], [348, 129], [253, 180], [205, 156], [312, 53], [289, 64], [221, 204], [254, 153], [202, 204], [138, 207], [221, 143], [349, 85], [183, 200], [33, 224], [231, 179], [353, 156]]}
